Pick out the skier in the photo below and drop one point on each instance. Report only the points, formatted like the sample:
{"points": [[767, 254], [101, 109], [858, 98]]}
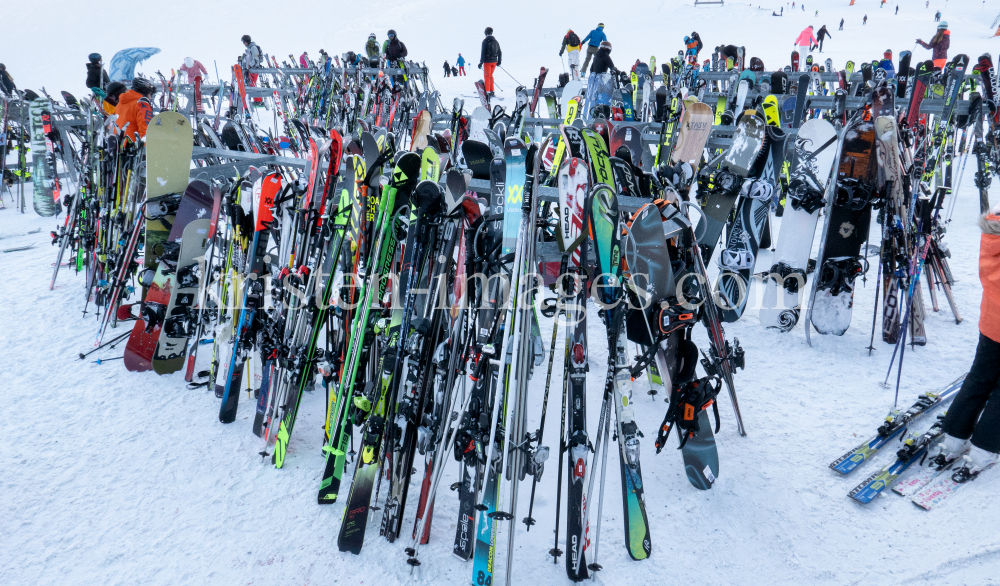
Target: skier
{"points": [[841, 24], [805, 41], [571, 44], [6, 81], [454, 72], [937, 16], [822, 34], [939, 44], [372, 48], [865, 21], [461, 64], [395, 50], [447, 69], [595, 38], [979, 398], [115, 90], [252, 57], [694, 46], [897, 10], [602, 61], [490, 58], [97, 77], [193, 69], [134, 108]]}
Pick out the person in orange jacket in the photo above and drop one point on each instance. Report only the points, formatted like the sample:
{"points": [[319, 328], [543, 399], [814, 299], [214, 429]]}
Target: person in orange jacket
{"points": [[973, 421], [134, 109]]}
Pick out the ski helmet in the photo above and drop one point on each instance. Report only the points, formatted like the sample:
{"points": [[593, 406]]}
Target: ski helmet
{"points": [[391, 34], [371, 36], [245, 39], [3, 67], [188, 62], [143, 86], [943, 24], [489, 30], [95, 57], [600, 25], [606, 45]]}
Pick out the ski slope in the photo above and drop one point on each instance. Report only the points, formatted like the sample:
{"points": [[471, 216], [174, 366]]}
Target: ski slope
{"points": [[112, 477]]}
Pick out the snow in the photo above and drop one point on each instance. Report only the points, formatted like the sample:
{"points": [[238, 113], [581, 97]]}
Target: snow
{"points": [[118, 478]]}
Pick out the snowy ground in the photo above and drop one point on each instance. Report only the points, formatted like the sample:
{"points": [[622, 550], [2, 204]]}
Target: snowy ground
{"points": [[118, 478]]}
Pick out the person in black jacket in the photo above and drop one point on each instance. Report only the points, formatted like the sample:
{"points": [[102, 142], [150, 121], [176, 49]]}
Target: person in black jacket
{"points": [[489, 59], [602, 61], [6, 81], [822, 34], [96, 76]]}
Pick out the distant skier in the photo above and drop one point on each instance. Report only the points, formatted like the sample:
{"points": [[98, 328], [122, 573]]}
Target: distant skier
{"points": [[134, 108], [897, 9], [865, 21], [841, 24], [805, 41], [937, 16], [694, 46], [447, 69], [371, 48], [6, 81], [490, 57], [395, 50], [975, 413], [97, 77], [252, 57], [940, 43], [571, 45], [192, 68], [594, 38], [461, 64], [821, 35], [454, 72], [395, 53]]}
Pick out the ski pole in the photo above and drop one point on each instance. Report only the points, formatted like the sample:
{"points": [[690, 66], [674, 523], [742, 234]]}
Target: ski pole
{"points": [[510, 76], [878, 280], [118, 338]]}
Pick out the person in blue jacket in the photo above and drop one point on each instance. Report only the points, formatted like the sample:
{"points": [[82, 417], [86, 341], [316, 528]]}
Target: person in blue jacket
{"points": [[461, 64], [594, 39]]}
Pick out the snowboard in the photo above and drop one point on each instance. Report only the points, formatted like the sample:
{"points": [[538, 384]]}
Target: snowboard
{"points": [[142, 343], [846, 231], [185, 282], [748, 228], [725, 185], [813, 154]]}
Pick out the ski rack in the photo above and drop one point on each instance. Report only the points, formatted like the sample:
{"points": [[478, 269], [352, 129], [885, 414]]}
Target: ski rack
{"points": [[239, 162]]}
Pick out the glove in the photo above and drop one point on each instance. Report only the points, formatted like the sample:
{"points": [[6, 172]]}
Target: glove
{"points": [[560, 53], [498, 64], [480, 65]]}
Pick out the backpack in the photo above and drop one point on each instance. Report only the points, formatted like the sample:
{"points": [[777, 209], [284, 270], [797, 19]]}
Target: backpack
{"points": [[563, 79], [572, 39]]}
